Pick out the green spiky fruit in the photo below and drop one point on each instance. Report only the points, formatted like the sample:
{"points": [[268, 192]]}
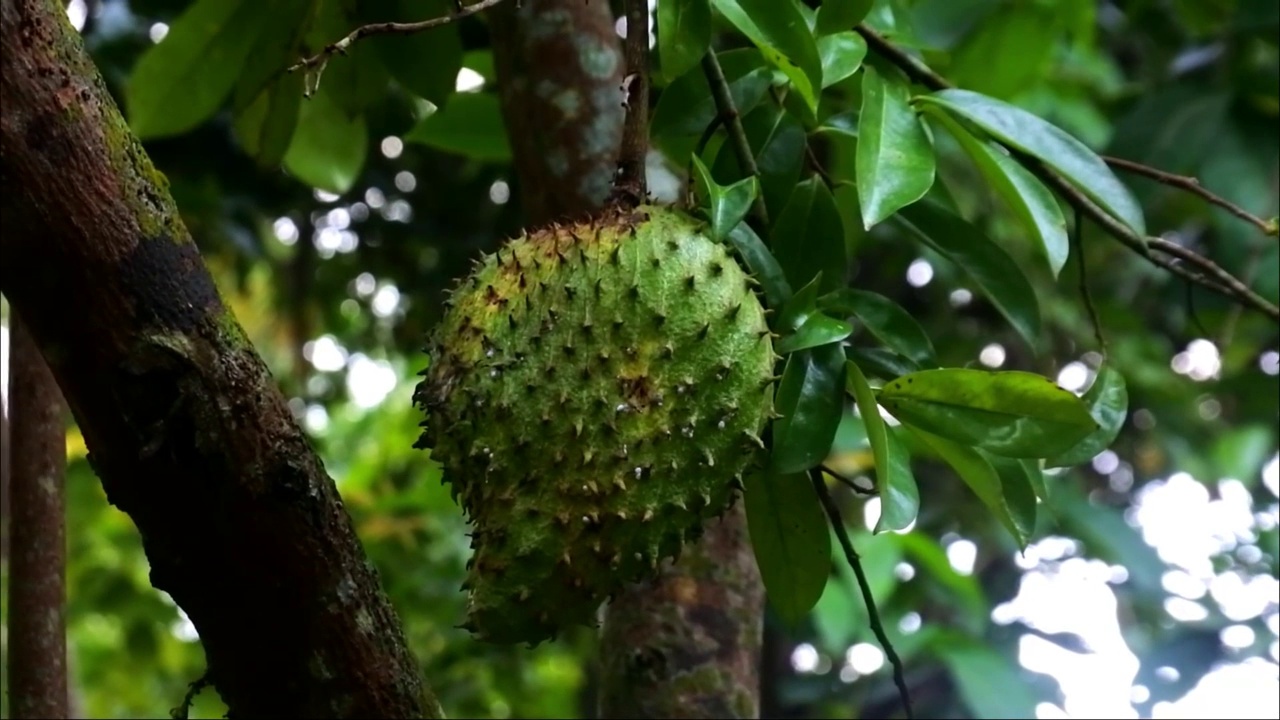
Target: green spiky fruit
{"points": [[595, 392]]}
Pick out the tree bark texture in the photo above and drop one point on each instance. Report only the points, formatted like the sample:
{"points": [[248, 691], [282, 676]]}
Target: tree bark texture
{"points": [[687, 645], [560, 68], [37, 662], [184, 424]]}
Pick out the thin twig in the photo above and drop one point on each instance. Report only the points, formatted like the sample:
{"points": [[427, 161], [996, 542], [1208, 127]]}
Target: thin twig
{"points": [[1193, 186], [1078, 233], [391, 28], [1209, 274], [873, 615], [183, 711], [728, 112], [1212, 270], [847, 482], [629, 183]]}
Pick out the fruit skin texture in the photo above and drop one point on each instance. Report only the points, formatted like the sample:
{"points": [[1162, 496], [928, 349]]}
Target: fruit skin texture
{"points": [[594, 394]]}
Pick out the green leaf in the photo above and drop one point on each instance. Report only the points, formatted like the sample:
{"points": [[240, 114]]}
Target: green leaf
{"points": [[803, 304], [1108, 403], [808, 237], [810, 398], [1019, 493], [328, 149], [818, 329], [882, 363], [842, 55], [790, 540], [779, 30], [280, 44], [471, 126], [886, 320], [684, 35], [1053, 146], [991, 685], [985, 263], [976, 472], [686, 106], [778, 140], [1036, 476], [763, 266], [424, 63], [357, 78], [899, 496], [1010, 51], [183, 80], [265, 128], [895, 163], [837, 15], [1010, 413], [726, 206], [1030, 200]]}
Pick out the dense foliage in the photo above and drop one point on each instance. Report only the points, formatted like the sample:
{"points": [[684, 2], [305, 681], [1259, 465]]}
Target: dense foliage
{"points": [[906, 253]]}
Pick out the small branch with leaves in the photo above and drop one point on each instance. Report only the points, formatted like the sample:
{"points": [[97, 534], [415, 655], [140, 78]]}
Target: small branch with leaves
{"points": [[1180, 261], [316, 63], [1193, 186]]}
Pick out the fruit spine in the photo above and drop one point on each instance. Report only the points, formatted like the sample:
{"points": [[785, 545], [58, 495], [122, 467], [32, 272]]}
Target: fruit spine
{"points": [[594, 394]]}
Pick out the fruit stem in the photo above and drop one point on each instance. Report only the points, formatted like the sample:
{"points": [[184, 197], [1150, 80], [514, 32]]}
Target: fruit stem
{"points": [[629, 182]]}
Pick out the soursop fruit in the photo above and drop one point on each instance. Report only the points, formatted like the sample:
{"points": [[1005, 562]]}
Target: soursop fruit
{"points": [[595, 392]]}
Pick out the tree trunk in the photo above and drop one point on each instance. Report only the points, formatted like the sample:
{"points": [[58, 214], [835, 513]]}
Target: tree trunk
{"points": [[37, 568], [4, 466], [184, 425], [560, 67], [687, 645]]}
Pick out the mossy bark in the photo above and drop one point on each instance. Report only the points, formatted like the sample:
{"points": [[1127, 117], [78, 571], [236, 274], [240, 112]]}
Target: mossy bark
{"points": [[687, 645], [37, 663], [184, 424]]}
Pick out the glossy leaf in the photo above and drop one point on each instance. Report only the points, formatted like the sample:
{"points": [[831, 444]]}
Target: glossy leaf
{"points": [[777, 140], [976, 472], [1018, 488], [887, 321], [684, 35], [265, 128], [1053, 146], [1035, 474], [1009, 51], [882, 363], [1108, 402], [686, 107], [1011, 413], [841, 55], [895, 162], [837, 15], [992, 686], [424, 63], [328, 149], [790, 540], [801, 305], [985, 263], [183, 80], [472, 126], [1028, 198], [357, 78], [726, 206], [808, 237], [763, 266], [899, 496], [809, 399], [778, 29], [818, 329], [280, 43]]}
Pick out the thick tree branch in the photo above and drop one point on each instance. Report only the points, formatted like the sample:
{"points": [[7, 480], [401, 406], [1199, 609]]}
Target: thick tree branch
{"points": [[1212, 279], [390, 28], [559, 65], [184, 424], [37, 567], [629, 183]]}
